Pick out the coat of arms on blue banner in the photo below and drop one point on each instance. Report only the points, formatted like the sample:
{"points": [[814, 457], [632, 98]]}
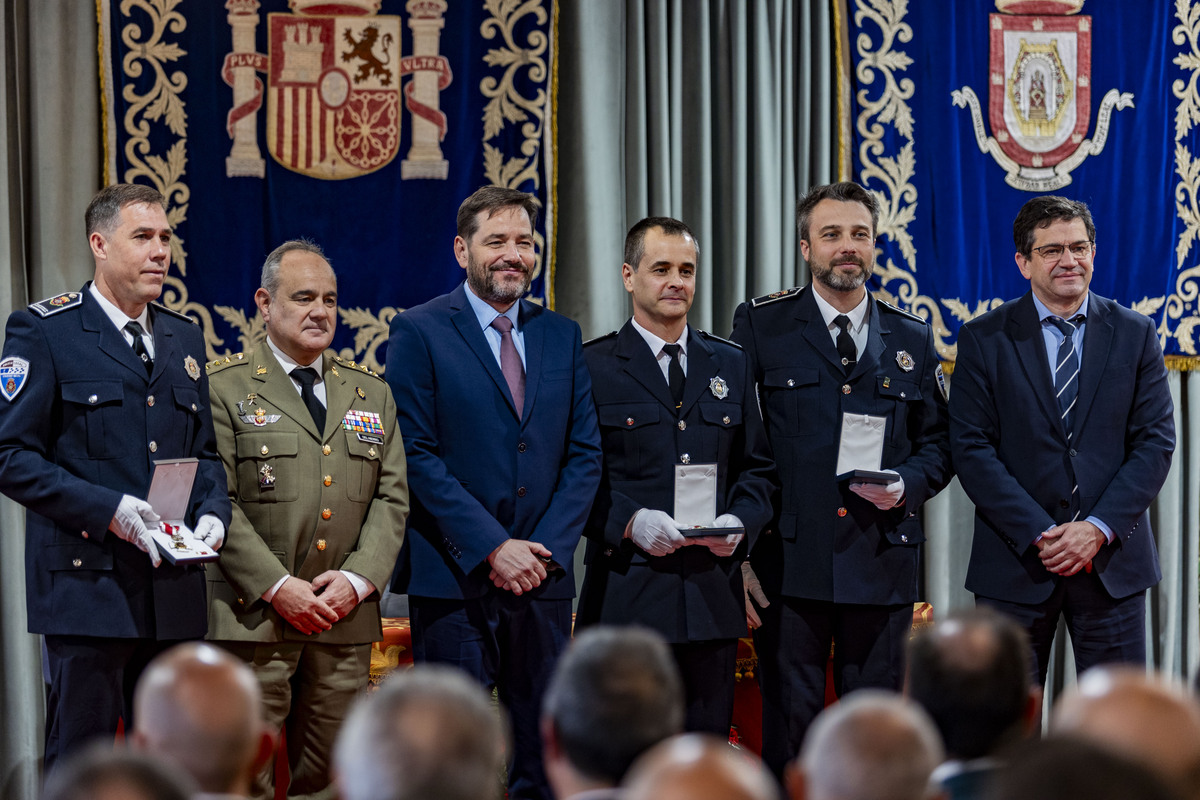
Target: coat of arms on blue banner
{"points": [[359, 124]]}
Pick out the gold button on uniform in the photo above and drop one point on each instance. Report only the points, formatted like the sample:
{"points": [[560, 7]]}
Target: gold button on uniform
{"points": [[92, 399], [845, 388], [629, 421], [77, 562], [150, 401], [193, 406], [842, 511], [790, 382], [328, 481], [685, 458], [326, 513], [725, 419], [326, 450], [153, 446], [682, 425], [265, 450], [320, 544]]}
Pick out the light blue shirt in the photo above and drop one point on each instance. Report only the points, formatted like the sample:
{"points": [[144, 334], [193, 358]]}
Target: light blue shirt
{"points": [[485, 314], [1052, 337]]}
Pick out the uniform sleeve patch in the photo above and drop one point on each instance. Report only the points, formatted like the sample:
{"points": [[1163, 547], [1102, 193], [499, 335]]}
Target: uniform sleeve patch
{"points": [[13, 373]]}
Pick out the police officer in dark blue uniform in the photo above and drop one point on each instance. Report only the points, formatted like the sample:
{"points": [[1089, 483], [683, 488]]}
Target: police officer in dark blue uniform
{"points": [[674, 404], [96, 386], [841, 565]]}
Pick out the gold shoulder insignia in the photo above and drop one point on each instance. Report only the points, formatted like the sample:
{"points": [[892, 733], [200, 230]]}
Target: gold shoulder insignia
{"points": [[889, 307], [227, 361], [773, 296], [600, 338], [160, 307]]}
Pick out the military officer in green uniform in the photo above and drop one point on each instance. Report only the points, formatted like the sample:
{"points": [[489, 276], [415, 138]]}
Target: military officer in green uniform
{"points": [[317, 478]]}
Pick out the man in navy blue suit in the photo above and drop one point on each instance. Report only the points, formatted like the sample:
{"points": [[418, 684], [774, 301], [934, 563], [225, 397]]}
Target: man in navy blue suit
{"points": [[1062, 433], [495, 406], [97, 385]]}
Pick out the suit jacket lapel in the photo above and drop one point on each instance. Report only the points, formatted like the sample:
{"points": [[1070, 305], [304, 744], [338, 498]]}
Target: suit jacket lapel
{"points": [[1025, 329], [701, 369], [868, 359], [816, 332], [273, 385], [165, 353], [339, 397], [641, 365], [1097, 337], [112, 341], [467, 323], [534, 339]]}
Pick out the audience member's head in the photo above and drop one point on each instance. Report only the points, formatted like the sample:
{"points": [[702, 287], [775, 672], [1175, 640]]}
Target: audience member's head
{"points": [[428, 733], [201, 709], [872, 745], [698, 766], [615, 693], [1065, 768], [1142, 716], [970, 672], [101, 773]]}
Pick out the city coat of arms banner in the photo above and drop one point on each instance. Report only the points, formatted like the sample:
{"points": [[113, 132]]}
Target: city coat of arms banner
{"points": [[360, 124], [961, 112]]}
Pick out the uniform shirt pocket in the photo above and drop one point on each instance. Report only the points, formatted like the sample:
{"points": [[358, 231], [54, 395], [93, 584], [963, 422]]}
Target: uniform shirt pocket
{"points": [[362, 468], [92, 413], [268, 469]]}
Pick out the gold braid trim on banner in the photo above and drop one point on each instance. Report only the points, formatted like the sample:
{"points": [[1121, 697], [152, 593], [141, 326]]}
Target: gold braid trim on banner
{"points": [[898, 198], [507, 106]]}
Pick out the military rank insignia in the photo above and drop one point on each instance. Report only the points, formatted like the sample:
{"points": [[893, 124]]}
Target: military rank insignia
{"points": [[13, 372], [362, 422]]}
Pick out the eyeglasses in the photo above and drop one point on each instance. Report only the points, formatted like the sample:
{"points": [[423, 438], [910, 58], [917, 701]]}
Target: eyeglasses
{"points": [[1053, 252]]}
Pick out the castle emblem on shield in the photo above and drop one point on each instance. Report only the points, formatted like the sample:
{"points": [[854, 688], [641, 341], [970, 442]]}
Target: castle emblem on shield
{"points": [[1040, 93], [334, 73]]}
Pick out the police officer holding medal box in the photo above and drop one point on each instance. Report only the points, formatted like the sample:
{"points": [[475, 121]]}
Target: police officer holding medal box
{"points": [[683, 445], [96, 386], [316, 470]]}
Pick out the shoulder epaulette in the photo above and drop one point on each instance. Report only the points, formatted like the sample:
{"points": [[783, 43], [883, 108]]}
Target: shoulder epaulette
{"points": [[716, 338], [600, 338], [228, 361], [60, 302], [355, 366], [773, 296], [903, 313], [172, 312]]}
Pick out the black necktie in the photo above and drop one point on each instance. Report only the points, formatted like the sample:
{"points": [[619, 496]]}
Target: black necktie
{"points": [[307, 377], [1066, 372], [675, 373], [139, 346], [845, 343]]}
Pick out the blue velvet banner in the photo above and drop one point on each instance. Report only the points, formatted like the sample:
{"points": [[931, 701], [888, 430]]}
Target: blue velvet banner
{"points": [[962, 111], [361, 124]]}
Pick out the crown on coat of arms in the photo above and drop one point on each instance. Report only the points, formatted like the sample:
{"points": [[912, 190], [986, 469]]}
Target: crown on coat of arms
{"points": [[1048, 7], [335, 8]]}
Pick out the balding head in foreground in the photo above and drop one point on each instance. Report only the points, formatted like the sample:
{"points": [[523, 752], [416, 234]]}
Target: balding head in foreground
{"points": [[201, 708], [696, 766], [872, 745]]}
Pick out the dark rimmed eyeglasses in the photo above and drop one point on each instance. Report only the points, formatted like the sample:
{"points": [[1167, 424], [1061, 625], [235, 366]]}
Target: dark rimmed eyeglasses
{"points": [[1053, 252]]}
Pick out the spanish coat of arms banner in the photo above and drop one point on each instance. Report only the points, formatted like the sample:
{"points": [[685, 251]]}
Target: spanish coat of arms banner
{"points": [[360, 124], [962, 111]]}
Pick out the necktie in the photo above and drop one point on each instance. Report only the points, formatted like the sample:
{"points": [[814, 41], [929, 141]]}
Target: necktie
{"points": [[845, 343], [307, 376], [510, 363], [675, 373], [139, 345], [1066, 373]]}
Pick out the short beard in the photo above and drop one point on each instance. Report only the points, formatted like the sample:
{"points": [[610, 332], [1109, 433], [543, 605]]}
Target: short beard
{"points": [[485, 286], [840, 282]]}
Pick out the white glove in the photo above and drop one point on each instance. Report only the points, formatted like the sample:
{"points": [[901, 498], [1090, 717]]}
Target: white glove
{"points": [[210, 531], [655, 532], [130, 524], [722, 546], [753, 589], [884, 497]]}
